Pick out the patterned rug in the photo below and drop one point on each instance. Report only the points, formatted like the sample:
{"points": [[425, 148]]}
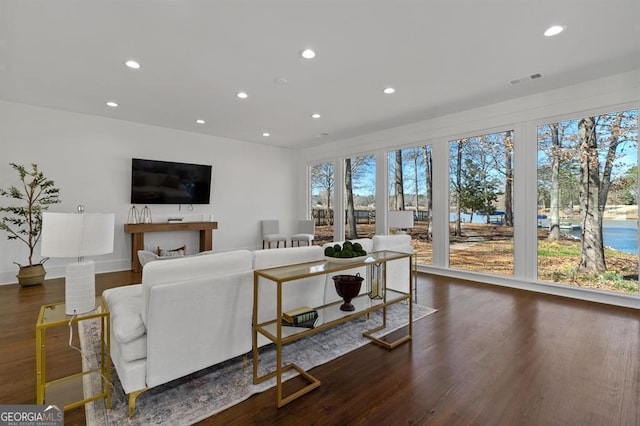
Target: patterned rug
{"points": [[206, 392]]}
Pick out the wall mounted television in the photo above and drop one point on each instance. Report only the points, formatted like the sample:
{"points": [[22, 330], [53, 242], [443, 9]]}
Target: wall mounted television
{"points": [[167, 182]]}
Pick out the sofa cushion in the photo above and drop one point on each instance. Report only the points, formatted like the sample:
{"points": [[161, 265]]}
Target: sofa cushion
{"points": [[135, 349], [145, 256], [125, 305], [176, 252]]}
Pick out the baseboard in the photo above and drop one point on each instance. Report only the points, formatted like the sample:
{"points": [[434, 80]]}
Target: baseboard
{"points": [[57, 271], [591, 295]]}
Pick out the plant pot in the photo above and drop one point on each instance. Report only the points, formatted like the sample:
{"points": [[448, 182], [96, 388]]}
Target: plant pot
{"points": [[31, 275], [347, 287]]}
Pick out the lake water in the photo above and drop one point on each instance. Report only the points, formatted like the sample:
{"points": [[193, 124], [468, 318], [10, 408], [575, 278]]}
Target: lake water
{"points": [[618, 234]]}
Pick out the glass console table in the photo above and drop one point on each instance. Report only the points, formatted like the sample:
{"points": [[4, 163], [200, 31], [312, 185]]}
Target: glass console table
{"points": [[329, 315]]}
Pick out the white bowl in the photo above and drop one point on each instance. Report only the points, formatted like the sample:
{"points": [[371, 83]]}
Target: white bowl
{"points": [[346, 259]]}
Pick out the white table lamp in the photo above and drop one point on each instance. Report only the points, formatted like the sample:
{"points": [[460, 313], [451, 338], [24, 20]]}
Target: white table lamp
{"points": [[401, 220], [78, 235]]}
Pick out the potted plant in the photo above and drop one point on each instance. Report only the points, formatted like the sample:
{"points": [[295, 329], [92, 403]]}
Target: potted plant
{"points": [[23, 221]]}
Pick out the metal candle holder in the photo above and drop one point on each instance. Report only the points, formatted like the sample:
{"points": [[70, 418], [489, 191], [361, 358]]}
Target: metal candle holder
{"points": [[376, 281]]}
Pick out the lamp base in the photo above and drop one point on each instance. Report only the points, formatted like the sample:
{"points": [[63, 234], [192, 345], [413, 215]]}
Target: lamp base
{"points": [[80, 287]]}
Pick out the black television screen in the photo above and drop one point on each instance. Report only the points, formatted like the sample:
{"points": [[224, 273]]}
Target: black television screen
{"points": [[166, 182]]}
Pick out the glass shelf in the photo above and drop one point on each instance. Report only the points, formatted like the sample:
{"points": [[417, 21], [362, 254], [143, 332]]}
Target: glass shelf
{"points": [[321, 267], [329, 316], [68, 392], [54, 314]]}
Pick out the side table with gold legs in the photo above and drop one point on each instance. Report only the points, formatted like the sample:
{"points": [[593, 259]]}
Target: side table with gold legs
{"points": [[68, 392]]}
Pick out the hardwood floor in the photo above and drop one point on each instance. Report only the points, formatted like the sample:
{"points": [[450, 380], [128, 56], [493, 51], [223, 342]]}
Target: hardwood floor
{"points": [[489, 356], [19, 308]]}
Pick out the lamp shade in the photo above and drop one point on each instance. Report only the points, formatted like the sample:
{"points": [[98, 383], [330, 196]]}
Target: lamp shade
{"points": [[401, 219], [77, 235]]}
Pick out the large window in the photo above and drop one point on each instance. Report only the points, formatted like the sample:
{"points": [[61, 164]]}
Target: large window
{"points": [[481, 203], [588, 202], [411, 188], [322, 201], [585, 207], [360, 197]]}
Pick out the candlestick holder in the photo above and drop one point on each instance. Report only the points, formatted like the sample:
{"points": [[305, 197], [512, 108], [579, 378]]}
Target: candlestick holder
{"points": [[133, 216], [145, 215], [376, 281]]}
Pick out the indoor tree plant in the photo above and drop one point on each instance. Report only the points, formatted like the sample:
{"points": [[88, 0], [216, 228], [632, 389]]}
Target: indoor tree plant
{"points": [[23, 221]]}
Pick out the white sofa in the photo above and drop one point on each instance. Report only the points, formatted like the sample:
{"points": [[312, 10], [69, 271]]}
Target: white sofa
{"points": [[194, 312], [187, 314]]}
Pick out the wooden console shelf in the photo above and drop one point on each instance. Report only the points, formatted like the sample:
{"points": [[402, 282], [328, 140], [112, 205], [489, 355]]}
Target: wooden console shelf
{"points": [[137, 231]]}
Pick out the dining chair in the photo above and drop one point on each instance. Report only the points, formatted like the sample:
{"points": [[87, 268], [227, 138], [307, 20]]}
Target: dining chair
{"points": [[271, 233], [306, 230]]}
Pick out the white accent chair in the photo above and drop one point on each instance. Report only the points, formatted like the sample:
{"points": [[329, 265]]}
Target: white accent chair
{"points": [[306, 231], [271, 233], [399, 272]]}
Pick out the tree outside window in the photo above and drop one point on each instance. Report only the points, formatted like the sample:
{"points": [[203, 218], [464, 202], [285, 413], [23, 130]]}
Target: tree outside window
{"points": [[587, 202]]}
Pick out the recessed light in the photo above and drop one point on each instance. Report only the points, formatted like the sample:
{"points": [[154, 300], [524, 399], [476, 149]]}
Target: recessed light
{"points": [[280, 80], [200, 121], [132, 64], [266, 134], [554, 30], [242, 95], [308, 54], [389, 90], [112, 104], [315, 115]]}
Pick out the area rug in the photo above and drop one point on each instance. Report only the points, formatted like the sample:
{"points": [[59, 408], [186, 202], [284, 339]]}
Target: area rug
{"points": [[207, 392]]}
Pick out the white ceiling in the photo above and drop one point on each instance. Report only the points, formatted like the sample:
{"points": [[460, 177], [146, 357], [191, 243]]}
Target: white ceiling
{"points": [[440, 55]]}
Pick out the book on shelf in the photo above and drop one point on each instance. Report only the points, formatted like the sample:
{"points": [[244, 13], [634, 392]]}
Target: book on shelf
{"points": [[302, 313], [310, 323]]}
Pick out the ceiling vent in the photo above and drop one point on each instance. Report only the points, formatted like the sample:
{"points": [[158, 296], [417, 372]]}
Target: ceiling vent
{"points": [[523, 79]]}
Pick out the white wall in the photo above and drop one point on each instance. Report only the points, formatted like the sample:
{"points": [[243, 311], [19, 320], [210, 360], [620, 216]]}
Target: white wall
{"points": [[572, 100], [522, 115], [89, 158]]}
